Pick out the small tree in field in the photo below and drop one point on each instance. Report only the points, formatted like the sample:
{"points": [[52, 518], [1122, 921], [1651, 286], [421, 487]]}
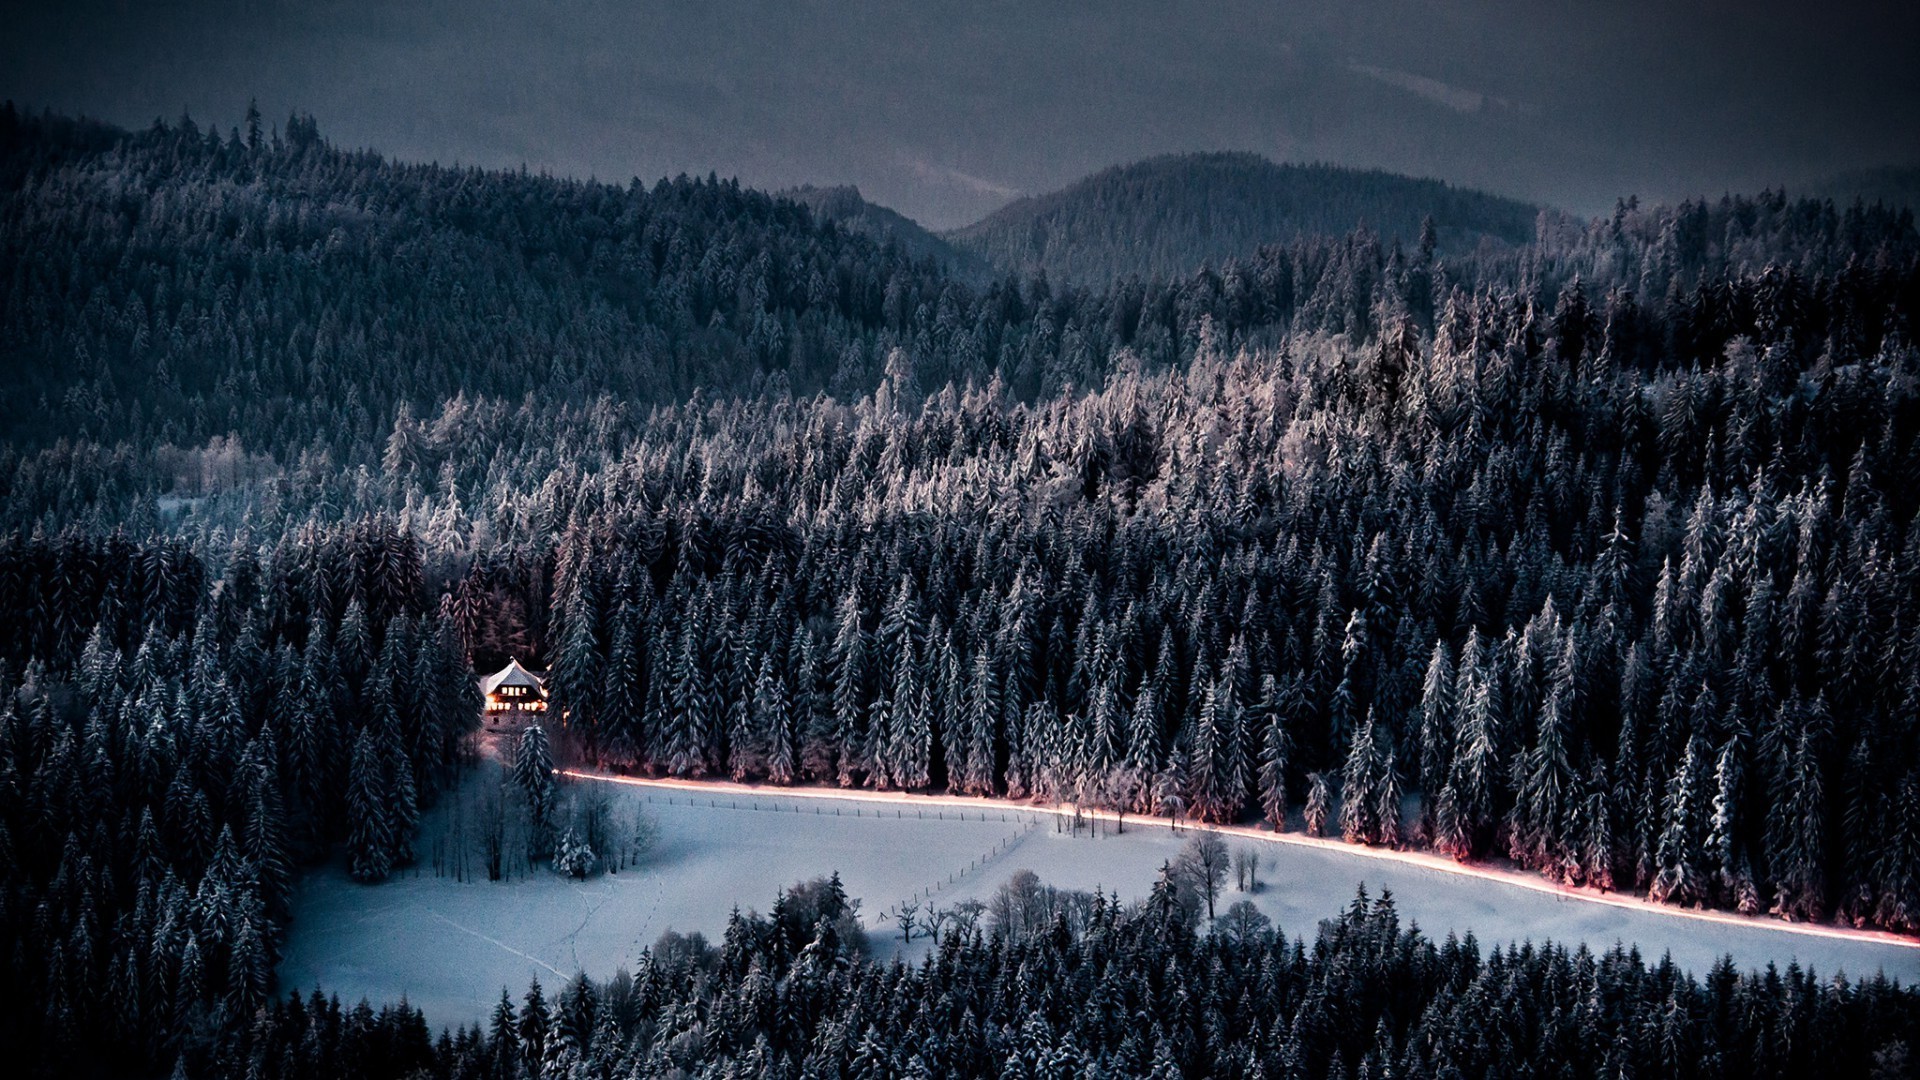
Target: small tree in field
{"points": [[905, 915], [573, 856], [1204, 861], [1246, 869], [932, 922]]}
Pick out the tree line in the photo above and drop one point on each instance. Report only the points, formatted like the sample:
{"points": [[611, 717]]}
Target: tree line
{"points": [[1116, 990]]}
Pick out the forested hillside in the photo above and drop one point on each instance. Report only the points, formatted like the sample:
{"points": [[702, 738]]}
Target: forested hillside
{"points": [[175, 284], [1598, 552], [1169, 216], [845, 207], [1106, 991]]}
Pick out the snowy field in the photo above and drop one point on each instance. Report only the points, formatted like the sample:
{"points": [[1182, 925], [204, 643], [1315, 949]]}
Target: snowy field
{"points": [[450, 946]]}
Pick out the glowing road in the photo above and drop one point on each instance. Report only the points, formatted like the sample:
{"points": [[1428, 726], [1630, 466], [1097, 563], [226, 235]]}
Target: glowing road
{"points": [[1424, 860]]}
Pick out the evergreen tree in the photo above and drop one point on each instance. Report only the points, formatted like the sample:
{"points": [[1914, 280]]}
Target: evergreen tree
{"points": [[370, 843], [772, 717], [1540, 836], [1275, 756], [622, 703], [909, 724], [1436, 722], [849, 668], [533, 776], [1682, 878], [1319, 804], [1798, 826]]}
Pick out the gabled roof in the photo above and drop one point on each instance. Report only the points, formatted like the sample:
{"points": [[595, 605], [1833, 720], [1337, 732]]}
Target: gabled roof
{"points": [[511, 675]]}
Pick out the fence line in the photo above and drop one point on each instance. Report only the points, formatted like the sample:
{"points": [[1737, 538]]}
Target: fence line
{"points": [[1000, 847]]}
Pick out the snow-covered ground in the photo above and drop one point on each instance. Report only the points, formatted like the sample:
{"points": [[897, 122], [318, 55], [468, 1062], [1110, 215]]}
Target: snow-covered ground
{"points": [[450, 946]]}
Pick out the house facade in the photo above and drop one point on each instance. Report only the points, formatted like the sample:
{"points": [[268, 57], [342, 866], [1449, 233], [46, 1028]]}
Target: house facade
{"points": [[514, 696]]}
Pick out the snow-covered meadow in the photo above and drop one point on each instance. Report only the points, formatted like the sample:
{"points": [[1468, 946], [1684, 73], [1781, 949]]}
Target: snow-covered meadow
{"points": [[449, 946]]}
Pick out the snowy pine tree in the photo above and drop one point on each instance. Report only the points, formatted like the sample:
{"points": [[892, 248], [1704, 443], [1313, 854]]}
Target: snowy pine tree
{"points": [[370, 840]]}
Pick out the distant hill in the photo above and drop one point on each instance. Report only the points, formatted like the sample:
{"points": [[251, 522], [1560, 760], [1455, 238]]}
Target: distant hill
{"points": [[1893, 185], [1166, 216], [844, 206]]}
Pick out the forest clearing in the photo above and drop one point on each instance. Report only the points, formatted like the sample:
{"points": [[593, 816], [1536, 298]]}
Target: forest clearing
{"points": [[448, 946]]}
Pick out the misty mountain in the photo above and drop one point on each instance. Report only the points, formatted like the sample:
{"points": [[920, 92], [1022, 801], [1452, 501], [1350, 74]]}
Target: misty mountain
{"points": [[844, 205], [1166, 216]]}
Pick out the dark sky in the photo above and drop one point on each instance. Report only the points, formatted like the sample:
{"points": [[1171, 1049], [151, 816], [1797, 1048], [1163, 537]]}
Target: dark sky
{"points": [[946, 110]]}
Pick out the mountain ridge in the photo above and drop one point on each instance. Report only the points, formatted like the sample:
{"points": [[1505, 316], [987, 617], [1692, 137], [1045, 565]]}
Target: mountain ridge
{"points": [[844, 205], [1166, 216]]}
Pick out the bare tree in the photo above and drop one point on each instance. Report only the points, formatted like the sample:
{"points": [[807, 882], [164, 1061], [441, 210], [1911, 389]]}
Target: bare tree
{"points": [[1123, 789], [1243, 923], [933, 920], [1246, 869], [905, 915], [1204, 860], [965, 916]]}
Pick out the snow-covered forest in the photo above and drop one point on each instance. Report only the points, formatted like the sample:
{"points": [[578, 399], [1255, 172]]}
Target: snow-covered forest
{"points": [[1596, 553]]}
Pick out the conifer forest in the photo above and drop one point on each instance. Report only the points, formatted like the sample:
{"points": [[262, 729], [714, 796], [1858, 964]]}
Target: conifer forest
{"points": [[1583, 546]]}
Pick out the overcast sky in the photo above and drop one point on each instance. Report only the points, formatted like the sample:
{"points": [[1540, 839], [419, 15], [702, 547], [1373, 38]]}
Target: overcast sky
{"points": [[945, 111]]}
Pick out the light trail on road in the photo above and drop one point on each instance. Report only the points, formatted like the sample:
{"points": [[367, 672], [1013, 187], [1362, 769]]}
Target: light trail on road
{"points": [[1421, 859]]}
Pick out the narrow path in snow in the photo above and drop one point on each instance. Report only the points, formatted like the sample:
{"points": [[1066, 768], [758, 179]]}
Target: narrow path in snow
{"points": [[496, 941], [1424, 860]]}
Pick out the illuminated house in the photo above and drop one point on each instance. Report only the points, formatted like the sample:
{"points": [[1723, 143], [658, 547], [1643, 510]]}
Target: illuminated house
{"points": [[514, 696]]}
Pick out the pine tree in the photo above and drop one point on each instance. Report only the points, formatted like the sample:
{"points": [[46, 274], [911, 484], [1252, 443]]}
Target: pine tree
{"points": [[503, 1036], [973, 772], [1540, 835], [403, 810], [575, 681], [1723, 864], [572, 856], [1387, 789], [1357, 796], [533, 776], [249, 967], [1436, 723], [1680, 879], [1797, 828], [849, 677], [690, 707], [1598, 852], [773, 719], [1899, 868], [370, 840], [1319, 804], [1276, 751], [1464, 811], [1211, 795], [910, 734], [813, 712], [621, 700]]}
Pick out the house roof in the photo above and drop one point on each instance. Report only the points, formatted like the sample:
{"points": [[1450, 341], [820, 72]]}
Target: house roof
{"points": [[511, 675]]}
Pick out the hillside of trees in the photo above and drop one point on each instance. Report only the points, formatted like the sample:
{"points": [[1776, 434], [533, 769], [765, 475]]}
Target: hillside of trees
{"points": [[1169, 216], [1598, 552], [844, 206], [1107, 991], [176, 284]]}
